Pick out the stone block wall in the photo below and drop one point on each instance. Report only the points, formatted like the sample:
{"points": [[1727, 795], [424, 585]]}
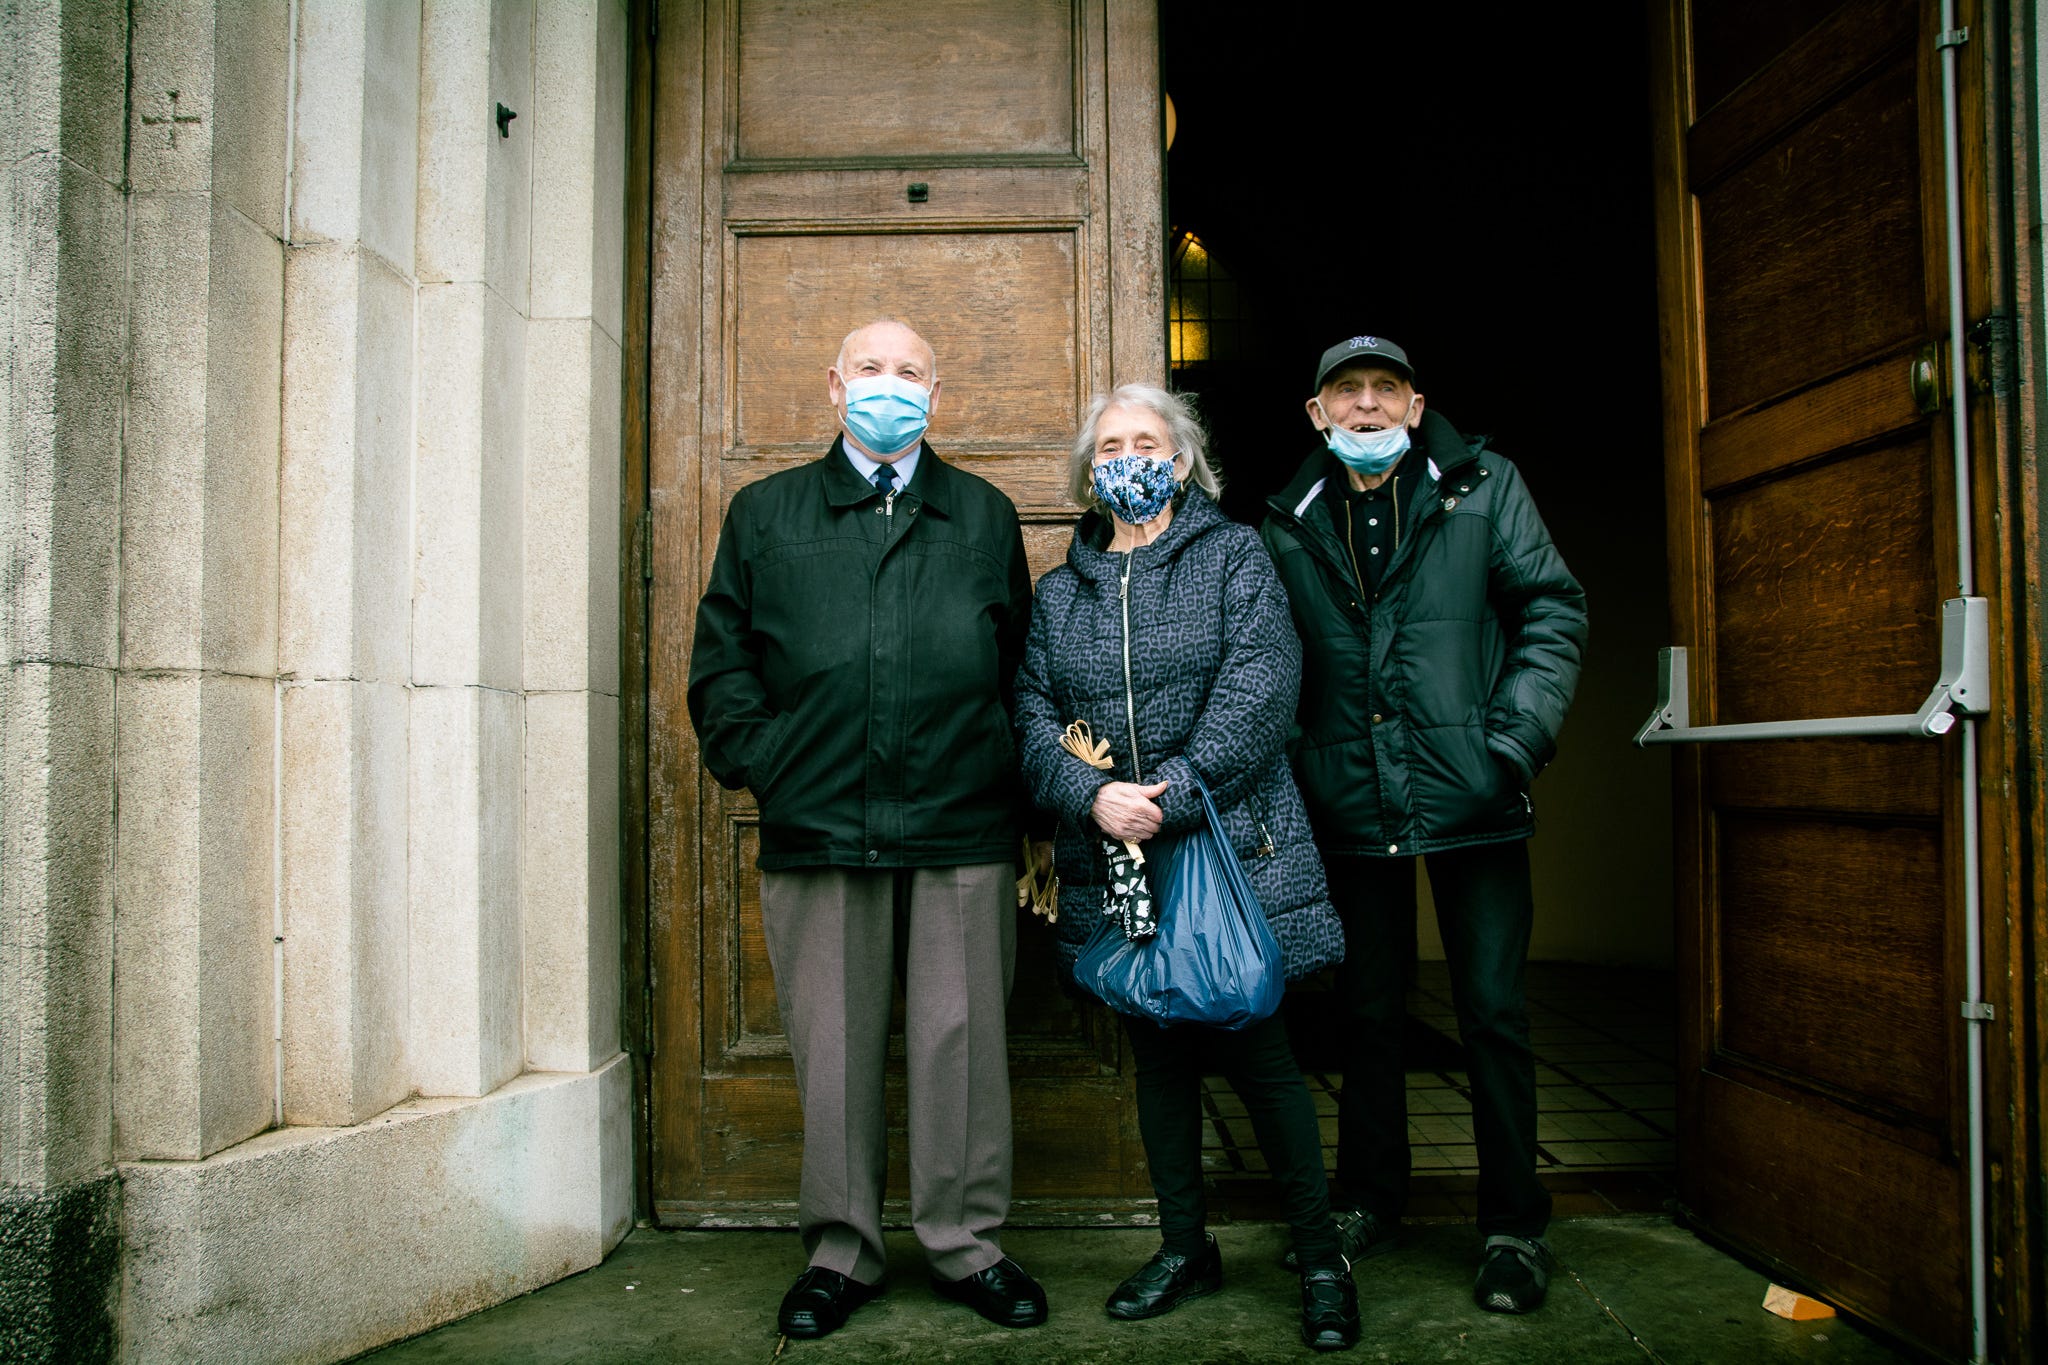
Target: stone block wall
{"points": [[309, 919]]}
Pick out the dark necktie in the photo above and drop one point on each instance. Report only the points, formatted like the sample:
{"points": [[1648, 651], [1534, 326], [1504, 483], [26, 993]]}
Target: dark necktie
{"points": [[885, 480]]}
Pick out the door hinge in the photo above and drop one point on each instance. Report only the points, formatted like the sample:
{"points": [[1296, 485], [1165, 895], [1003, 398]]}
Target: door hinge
{"points": [[653, 19], [1987, 365], [643, 536], [1978, 1010], [1951, 37]]}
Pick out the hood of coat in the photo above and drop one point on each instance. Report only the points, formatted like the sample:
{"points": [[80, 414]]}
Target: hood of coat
{"points": [[1194, 516], [1443, 451]]}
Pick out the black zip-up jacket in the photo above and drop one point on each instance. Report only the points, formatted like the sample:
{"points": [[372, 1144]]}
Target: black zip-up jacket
{"points": [[1427, 707], [852, 665]]}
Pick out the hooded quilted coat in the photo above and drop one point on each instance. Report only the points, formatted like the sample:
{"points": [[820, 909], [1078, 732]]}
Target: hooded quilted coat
{"points": [[1428, 705], [1214, 666]]}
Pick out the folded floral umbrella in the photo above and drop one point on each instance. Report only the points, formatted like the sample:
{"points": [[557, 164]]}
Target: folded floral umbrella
{"points": [[1129, 895]]}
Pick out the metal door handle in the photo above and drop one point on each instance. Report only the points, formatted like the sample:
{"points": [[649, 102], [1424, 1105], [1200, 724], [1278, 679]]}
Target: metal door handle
{"points": [[1923, 377], [1964, 687]]}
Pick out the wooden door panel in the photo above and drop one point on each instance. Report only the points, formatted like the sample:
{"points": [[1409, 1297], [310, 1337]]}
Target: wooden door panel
{"points": [[1827, 931], [1823, 587], [782, 219], [867, 81], [1801, 247], [995, 305], [1734, 39], [1892, 1249]]}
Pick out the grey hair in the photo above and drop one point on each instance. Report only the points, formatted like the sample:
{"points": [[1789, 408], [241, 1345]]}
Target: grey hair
{"points": [[1182, 426]]}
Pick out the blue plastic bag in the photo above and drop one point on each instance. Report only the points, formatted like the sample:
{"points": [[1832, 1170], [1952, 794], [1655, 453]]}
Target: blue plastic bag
{"points": [[1214, 961]]}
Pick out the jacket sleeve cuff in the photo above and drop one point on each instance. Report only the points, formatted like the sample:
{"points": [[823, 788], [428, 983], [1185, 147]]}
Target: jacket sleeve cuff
{"points": [[1505, 748], [1180, 805]]}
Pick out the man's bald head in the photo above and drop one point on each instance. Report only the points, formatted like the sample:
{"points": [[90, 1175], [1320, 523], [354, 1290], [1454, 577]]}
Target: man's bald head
{"points": [[887, 339]]}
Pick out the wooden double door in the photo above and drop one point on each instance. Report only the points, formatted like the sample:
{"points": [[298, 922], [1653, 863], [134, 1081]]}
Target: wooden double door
{"points": [[990, 172]]}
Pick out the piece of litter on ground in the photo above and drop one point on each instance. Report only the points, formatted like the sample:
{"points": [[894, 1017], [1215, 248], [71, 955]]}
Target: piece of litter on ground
{"points": [[1794, 1306], [1820, 1336], [686, 1291]]}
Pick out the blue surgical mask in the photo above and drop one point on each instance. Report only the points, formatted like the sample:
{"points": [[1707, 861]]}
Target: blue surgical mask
{"points": [[1368, 452], [1135, 488], [886, 414]]}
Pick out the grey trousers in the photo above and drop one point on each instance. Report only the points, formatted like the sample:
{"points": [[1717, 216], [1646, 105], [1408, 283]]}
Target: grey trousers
{"points": [[836, 938]]}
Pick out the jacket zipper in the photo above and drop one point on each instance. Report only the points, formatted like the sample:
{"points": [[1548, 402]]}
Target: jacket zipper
{"points": [[1123, 593]]}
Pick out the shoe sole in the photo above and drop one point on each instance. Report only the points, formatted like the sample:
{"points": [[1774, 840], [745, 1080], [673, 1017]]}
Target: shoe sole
{"points": [[1507, 1303], [1321, 1343], [1197, 1290]]}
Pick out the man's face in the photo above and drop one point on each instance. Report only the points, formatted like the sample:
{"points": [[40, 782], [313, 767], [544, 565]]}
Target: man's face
{"points": [[886, 348], [1365, 398]]}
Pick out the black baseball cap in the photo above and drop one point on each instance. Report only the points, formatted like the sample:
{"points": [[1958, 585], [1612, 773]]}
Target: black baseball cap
{"points": [[1364, 351]]}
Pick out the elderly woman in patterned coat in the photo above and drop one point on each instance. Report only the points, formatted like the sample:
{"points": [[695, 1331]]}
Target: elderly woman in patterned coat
{"points": [[1167, 634]]}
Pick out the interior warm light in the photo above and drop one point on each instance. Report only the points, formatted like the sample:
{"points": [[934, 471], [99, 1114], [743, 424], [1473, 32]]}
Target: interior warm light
{"points": [[1171, 122], [1201, 306]]}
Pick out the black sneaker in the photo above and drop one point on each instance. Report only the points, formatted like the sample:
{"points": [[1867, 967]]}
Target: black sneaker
{"points": [[1360, 1236], [1167, 1281], [1329, 1310], [1514, 1276]]}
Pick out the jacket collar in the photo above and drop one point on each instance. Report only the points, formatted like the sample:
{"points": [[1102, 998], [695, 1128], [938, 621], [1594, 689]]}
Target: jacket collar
{"points": [[931, 484], [1194, 515], [1443, 451]]}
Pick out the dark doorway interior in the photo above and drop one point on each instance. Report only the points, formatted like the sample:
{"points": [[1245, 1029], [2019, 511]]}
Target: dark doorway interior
{"points": [[1475, 184], [1472, 183]]}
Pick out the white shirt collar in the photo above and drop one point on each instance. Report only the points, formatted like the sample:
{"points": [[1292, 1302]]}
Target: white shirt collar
{"points": [[905, 465]]}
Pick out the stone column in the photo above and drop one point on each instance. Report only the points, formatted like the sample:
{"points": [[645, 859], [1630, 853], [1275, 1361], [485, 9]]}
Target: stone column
{"points": [[573, 355], [64, 311], [468, 521], [193, 1023], [345, 550]]}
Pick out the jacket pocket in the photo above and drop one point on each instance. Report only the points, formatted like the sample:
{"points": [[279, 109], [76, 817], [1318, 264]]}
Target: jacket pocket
{"points": [[770, 757]]}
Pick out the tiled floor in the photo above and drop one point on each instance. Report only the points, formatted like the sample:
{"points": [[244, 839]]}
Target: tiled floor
{"points": [[1605, 1075]]}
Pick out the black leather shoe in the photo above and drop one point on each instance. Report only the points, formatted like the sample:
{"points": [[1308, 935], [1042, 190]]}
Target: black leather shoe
{"points": [[1003, 1294], [1167, 1281], [1329, 1310], [1360, 1236], [820, 1302]]}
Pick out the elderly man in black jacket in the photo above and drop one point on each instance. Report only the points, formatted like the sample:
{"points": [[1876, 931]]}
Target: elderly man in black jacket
{"points": [[1441, 636], [852, 664]]}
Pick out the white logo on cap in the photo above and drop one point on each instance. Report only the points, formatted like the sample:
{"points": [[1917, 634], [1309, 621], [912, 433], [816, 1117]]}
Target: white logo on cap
{"points": [[1369, 343]]}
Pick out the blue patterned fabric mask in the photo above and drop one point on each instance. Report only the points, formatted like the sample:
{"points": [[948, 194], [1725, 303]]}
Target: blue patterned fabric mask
{"points": [[886, 414], [1135, 488]]}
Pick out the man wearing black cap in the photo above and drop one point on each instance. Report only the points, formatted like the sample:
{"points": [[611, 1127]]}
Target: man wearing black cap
{"points": [[1441, 637]]}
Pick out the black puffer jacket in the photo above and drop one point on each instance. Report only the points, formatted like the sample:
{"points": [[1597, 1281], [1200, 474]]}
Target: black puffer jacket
{"points": [[1214, 666], [1428, 706]]}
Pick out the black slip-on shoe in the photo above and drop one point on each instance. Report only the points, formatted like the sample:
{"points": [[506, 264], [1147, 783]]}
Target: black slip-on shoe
{"points": [[1329, 1310], [1167, 1281], [820, 1302], [1514, 1276], [1360, 1237], [1003, 1294]]}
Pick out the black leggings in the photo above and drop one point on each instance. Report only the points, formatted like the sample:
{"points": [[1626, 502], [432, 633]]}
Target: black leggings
{"points": [[1260, 1067]]}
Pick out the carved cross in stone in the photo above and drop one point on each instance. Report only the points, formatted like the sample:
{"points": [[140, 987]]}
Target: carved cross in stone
{"points": [[173, 119]]}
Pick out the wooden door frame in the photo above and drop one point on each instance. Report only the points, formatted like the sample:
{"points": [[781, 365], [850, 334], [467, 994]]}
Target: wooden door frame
{"points": [[2010, 154], [1999, 177]]}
